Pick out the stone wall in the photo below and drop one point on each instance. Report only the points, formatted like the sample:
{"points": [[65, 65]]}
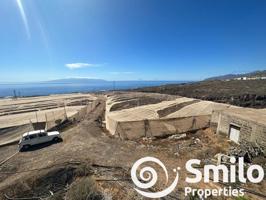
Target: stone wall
{"points": [[260, 136], [250, 131]]}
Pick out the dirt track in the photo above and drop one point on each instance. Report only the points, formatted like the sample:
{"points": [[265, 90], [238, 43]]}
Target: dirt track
{"points": [[110, 157]]}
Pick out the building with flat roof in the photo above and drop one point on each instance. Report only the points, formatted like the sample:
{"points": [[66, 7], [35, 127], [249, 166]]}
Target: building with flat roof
{"points": [[241, 124]]}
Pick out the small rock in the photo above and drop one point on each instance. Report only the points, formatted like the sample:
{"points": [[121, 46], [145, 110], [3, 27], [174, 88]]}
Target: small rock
{"points": [[178, 136]]}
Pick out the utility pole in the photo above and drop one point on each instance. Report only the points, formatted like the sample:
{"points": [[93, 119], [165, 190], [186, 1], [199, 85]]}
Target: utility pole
{"points": [[15, 94], [113, 85]]}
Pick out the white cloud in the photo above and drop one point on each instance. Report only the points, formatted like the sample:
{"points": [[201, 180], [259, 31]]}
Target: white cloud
{"points": [[81, 65]]}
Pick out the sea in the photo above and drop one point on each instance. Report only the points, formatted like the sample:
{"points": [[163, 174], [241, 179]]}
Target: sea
{"points": [[46, 88]]}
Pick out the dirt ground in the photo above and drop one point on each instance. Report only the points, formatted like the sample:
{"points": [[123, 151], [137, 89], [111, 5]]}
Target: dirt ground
{"points": [[88, 150]]}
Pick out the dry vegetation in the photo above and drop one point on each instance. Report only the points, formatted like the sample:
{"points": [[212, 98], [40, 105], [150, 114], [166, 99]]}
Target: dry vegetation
{"points": [[245, 93]]}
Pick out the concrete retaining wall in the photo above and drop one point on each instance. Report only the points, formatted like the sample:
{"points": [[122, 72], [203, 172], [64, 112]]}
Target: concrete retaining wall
{"points": [[157, 127]]}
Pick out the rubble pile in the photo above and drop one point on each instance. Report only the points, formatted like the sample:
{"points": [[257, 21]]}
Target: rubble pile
{"points": [[247, 150]]}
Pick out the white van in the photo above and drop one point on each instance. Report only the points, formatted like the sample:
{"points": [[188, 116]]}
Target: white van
{"points": [[38, 137]]}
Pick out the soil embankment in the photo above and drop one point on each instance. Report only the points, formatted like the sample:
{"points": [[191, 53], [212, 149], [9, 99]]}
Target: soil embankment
{"points": [[244, 93]]}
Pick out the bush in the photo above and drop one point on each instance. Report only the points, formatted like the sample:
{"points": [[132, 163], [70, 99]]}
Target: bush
{"points": [[241, 198], [84, 189]]}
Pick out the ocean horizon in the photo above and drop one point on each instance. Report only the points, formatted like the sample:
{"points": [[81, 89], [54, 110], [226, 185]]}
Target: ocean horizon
{"points": [[46, 88]]}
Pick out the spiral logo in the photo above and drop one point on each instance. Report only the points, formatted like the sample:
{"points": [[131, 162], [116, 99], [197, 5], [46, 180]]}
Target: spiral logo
{"points": [[151, 178]]}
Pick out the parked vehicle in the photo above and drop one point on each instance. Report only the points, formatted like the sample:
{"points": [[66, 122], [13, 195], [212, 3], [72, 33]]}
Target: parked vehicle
{"points": [[38, 137]]}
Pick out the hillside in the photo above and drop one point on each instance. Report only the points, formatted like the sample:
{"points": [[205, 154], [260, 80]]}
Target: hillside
{"points": [[233, 76], [246, 93]]}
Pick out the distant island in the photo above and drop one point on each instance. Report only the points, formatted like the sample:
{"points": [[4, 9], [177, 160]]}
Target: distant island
{"points": [[76, 81], [73, 85]]}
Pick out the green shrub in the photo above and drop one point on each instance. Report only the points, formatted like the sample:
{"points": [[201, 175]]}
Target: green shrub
{"points": [[241, 198]]}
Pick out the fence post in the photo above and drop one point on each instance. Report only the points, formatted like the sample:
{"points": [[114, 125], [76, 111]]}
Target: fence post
{"points": [[54, 117], [36, 117], [46, 124], [65, 110], [31, 125], [193, 124]]}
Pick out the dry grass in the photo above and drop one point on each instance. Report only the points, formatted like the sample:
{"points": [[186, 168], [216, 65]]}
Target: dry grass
{"points": [[84, 189]]}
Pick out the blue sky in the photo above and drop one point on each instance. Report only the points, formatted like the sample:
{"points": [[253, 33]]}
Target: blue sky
{"points": [[130, 39]]}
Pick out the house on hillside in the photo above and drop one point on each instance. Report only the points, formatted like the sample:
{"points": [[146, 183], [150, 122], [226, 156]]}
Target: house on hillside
{"points": [[241, 124]]}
